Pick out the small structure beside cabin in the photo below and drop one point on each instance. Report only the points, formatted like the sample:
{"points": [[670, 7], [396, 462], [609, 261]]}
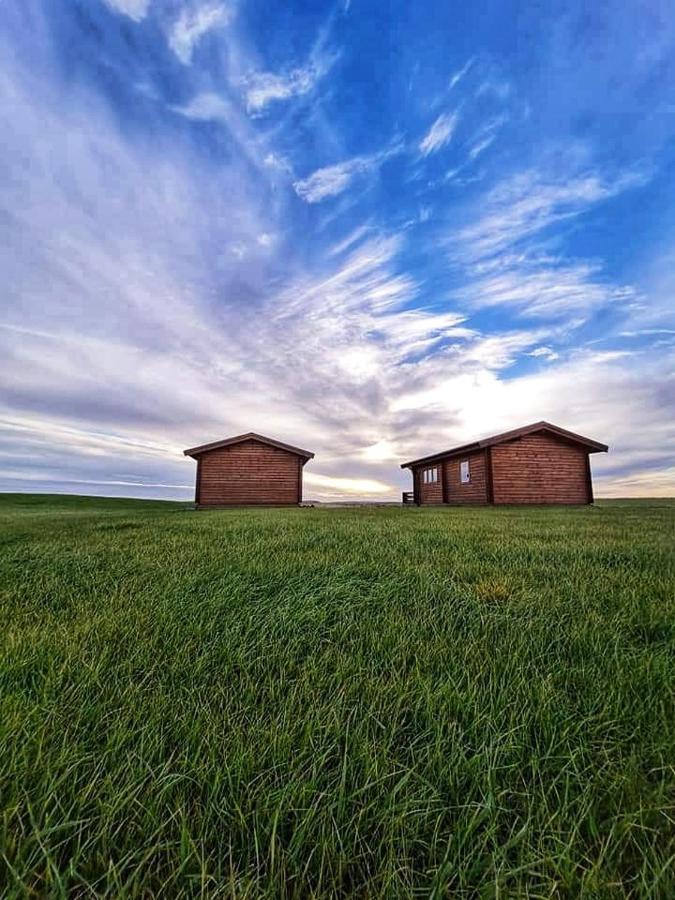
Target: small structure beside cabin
{"points": [[539, 463], [248, 470]]}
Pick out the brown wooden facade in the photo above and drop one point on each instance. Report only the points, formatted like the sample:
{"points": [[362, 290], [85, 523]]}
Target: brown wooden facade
{"points": [[248, 470], [540, 463]]}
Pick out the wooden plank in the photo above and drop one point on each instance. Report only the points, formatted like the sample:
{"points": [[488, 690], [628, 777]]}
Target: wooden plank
{"points": [[539, 469], [474, 492], [249, 472], [489, 486]]}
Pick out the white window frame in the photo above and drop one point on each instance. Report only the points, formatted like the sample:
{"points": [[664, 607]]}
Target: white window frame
{"points": [[464, 472], [430, 476]]}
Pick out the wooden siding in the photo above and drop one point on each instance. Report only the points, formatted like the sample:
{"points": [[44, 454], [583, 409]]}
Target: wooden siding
{"points": [[430, 494], [539, 468], [249, 473], [475, 491]]}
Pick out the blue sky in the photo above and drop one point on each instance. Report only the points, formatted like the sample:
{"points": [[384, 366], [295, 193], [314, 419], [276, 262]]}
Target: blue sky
{"points": [[374, 230]]}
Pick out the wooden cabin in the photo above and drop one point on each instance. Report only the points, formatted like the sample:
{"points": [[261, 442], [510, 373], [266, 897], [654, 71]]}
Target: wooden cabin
{"points": [[539, 463], [248, 470]]}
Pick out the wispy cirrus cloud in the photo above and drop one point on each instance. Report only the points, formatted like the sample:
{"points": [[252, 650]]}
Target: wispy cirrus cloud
{"points": [[333, 180], [543, 286], [105, 395], [354, 237], [206, 107], [544, 353], [263, 88], [504, 252], [499, 88], [193, 23], [480, 146], [440, 133], [134, 9], [210, 107], [528, 202], [460, 73], [482, 139]]}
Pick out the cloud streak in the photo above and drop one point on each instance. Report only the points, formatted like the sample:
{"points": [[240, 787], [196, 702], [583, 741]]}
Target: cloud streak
{"points": [[460, 73], [134, 9], [531, 201], [264, 88], [440, 133], [333, 180], [192, 24], [505, 255]]}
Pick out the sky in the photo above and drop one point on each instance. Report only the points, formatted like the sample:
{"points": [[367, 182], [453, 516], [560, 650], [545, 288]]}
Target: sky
{"points": [[371, 230]]}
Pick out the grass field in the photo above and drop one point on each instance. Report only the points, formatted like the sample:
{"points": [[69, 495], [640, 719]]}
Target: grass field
{"points": [[376, 702]]}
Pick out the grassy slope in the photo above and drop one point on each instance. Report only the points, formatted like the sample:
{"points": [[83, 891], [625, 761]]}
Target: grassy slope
{"points": [[367, 701]]}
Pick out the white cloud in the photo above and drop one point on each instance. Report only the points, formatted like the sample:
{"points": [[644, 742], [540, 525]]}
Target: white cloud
{"points": [[502, 249], [480, 146], [192, 24], [460, 73], [544, 353], [206, 107], [484, 137], [354, 237], [544, 286], [382, 451], [135, 9], [333, 180], [210, 107], [642, 332], [500, 89], [439, 134], [278, 163], [531, 201], [263, 88]]}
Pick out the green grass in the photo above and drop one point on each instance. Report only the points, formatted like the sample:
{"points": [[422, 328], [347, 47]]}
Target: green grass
{"points": [[375, 702]]}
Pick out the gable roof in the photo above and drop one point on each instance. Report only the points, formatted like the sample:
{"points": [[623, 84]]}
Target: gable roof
{"points": [[249, 436], [592, 446]]}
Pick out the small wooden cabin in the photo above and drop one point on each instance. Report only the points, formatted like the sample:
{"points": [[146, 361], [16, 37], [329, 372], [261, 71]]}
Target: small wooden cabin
{"points": [[248, 470], [539, 463]]}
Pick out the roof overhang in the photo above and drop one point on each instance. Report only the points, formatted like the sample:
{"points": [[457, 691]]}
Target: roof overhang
{"points": [[590, 445], [249, 436]]}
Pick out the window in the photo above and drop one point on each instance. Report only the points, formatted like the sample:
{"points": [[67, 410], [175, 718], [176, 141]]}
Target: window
{"points": [[464, 474], [430, 476]]}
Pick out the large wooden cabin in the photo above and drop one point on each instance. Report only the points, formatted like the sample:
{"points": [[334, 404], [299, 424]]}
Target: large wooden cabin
{"points": [[248, 470], [539, 463]]}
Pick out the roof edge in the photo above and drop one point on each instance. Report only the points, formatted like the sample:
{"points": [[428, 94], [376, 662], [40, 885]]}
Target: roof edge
{"points": [[514, 434], [249, 436]]}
